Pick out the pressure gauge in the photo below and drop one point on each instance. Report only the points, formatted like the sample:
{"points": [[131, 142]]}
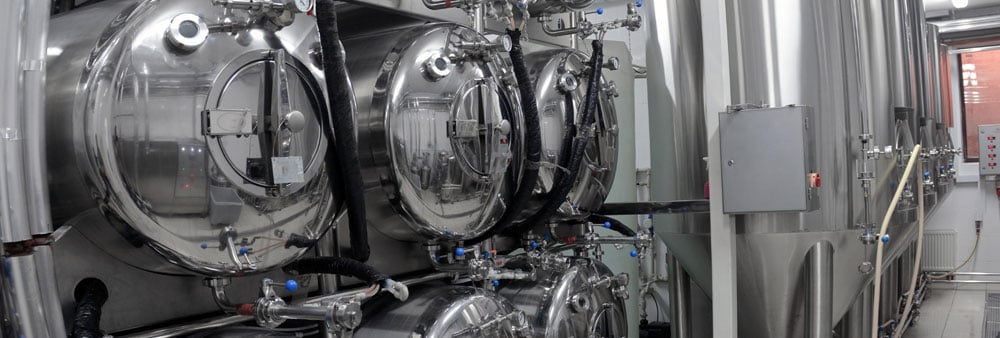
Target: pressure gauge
{"points": [[304, 6]]}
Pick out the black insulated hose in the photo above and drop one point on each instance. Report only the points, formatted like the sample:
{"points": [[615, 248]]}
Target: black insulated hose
{"points": [[342, 122], [532, 141], [90, 296], [615, 225], [340, 266], [563, 186]]}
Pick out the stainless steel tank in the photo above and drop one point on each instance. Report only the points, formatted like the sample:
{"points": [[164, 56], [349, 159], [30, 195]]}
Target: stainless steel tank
{"points": [[443, 311], [560, 82], [835, 57], [202, 148], [437, 127], [580, 299]]}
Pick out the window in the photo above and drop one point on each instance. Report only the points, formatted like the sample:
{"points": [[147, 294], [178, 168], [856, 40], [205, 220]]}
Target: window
{"points": [[980, 96]]}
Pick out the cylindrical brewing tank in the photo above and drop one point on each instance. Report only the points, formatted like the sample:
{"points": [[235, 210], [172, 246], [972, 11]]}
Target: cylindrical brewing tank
{"points": [[204, 147], [443, 312], [576, 300], [560, 79], [832, 56], [437, 125]]}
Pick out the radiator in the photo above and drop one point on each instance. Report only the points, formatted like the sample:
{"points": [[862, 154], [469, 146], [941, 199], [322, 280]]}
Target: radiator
{"points": [[939, 251]]}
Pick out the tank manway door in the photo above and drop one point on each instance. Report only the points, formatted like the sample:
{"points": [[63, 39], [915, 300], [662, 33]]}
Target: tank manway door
{"points": [[768, 160], [262, 146]]}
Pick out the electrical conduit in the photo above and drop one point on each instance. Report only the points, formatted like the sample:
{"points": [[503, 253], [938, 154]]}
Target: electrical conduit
{"points": [[882, 233]]}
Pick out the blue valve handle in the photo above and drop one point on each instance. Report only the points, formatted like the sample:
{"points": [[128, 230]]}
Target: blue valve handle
{"points": [[534, 245], [486, 254], [885, 238], [607, 225], [600, 10], [204, 245], [244, 250], [459, 252], [496, 282], [633, 253], [291, 285], [638, 3]]}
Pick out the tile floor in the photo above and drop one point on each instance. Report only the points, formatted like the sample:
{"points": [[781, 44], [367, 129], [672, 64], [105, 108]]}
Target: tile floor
{"points": [[953, 311]]}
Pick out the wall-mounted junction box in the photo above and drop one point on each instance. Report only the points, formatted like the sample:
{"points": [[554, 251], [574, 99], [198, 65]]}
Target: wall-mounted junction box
{"points": [[769, 162], [989, 139]]}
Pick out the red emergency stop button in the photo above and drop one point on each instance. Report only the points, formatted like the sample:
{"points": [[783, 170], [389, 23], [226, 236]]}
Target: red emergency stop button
{"points": [[815, 181]]}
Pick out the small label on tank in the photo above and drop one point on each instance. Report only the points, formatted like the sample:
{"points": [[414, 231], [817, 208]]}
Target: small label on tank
{"points": [[287, 170]]}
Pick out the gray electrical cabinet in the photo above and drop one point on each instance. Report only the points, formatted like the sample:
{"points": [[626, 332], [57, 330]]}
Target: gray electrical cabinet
{"points": [[989, 139], [769, 161]]}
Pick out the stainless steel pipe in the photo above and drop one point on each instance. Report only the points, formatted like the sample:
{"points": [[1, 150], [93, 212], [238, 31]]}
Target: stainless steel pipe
{"points": [[29, 280], [819, 298], [680, 300], [944, 281], [223, 321]]}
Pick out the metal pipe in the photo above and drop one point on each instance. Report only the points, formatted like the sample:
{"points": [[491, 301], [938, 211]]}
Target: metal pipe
{"points": [[36, 27], [186, 329], [967, 273], [680, 300], [479, 18], [223, 321], [29, 313], [655, 207], [819, 300], [435, 5], [965, 281], [45, 268], [574, 20], [310, 313], [219, 295], [353, 292], [14, 221]]}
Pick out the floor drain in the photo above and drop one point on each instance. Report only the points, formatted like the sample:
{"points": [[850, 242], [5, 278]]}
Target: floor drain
{"points": [[991, 316]]}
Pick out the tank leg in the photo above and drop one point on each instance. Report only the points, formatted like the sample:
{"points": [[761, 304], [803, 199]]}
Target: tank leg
{"points": [[680, 300], [819, 300]]}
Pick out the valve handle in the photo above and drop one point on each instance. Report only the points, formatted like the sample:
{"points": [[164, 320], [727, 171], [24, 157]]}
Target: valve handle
{"points": [[291, 285]]}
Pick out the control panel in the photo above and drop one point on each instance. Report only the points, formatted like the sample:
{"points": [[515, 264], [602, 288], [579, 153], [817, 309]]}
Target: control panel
{"points": [[989, 139], [769, 161]]}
